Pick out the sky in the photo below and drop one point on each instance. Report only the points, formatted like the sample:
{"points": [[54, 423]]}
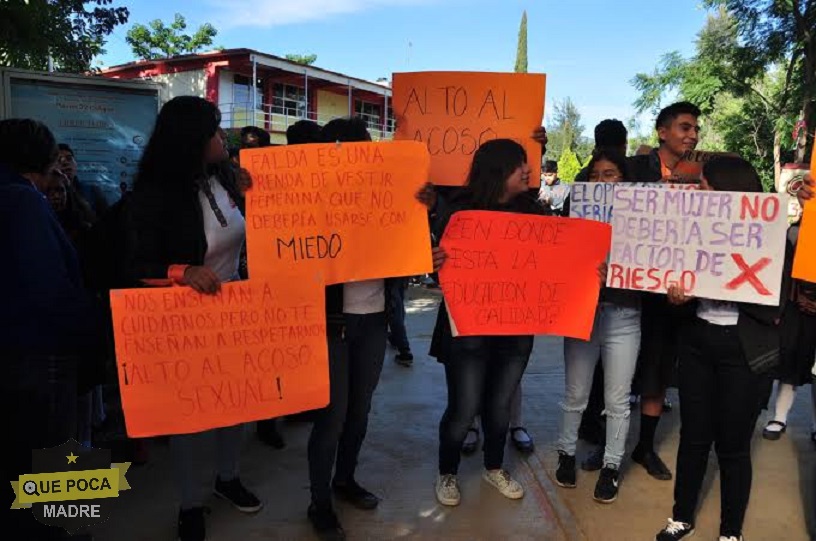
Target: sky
{"points": [[589, 49]]}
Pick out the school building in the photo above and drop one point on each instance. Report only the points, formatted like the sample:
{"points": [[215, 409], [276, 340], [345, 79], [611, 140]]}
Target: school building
{"points": [[253, 88]]}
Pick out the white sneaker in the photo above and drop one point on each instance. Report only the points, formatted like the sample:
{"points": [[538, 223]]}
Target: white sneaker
{"points": [[732, 538], [509, 487], [447, 490]]}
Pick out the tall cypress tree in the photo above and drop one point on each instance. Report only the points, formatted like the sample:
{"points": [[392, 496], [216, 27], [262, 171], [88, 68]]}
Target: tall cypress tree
{"points": [[521, 53]]}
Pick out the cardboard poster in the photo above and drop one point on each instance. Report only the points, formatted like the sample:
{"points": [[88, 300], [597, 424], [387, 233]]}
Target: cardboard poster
{"points": [[453, 113], [521, 274], [717, 245], [189, 362], [344, 212], [593, 200], [804, 261]]}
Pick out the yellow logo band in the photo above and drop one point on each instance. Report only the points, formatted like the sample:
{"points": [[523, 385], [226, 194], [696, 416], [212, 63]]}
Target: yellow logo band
{"points": [[70, 485]]}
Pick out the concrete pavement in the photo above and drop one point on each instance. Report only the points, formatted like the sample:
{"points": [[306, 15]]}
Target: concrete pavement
{"points": [[398, 463]]}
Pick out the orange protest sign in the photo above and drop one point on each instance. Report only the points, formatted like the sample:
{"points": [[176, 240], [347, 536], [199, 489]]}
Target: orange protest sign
{"points": [[189, 362], [348, 211], [517, 274], [453, 113], [804, 260]]}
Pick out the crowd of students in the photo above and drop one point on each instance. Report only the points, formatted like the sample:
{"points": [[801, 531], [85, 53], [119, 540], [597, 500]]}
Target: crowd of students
{"points": [[183, 223]]}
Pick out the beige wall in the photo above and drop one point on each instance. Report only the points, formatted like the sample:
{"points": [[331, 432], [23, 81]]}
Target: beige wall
{"points": [[187, 83], [331, 105]]}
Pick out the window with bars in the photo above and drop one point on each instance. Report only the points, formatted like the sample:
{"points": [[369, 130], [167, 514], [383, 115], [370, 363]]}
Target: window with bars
{"points": [[242, 92], [289, 100], [370, 112]]}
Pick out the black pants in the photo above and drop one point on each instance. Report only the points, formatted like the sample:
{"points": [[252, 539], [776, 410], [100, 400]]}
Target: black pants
{"points": [[39, 401], [355, 364], [482, 374], [395, 296], [719, 404]]}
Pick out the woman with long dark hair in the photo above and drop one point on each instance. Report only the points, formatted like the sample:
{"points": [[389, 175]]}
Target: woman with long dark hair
{"points": [[726, 351], [189, 228], [482, 372], [616, 340]]}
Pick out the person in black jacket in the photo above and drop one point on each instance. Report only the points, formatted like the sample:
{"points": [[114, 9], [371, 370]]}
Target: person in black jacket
{"points": [[47, 320], [482, 372], [678, 130], [725, 354], [188, 227]]}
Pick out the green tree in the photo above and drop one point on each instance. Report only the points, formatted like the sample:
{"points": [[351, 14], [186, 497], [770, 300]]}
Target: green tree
{"points": [[305, 59], [568, 166], [565, 130], [778, 33], [159, 41], [521, 52], [69, 32], [748, 91]]}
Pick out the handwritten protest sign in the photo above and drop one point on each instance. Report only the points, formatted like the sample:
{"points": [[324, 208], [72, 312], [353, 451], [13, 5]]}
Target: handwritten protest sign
{"points": [[804, 262], [593, 200], [517, 274], [189, 362], [347, 211], [716, 245], [453, 113]]}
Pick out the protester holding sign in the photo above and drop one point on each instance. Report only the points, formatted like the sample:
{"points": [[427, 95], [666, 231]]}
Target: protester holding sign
{"points": [[616, 339], [357, 331], [726, 350], [189, 230], [678, 131], [482, 372]]}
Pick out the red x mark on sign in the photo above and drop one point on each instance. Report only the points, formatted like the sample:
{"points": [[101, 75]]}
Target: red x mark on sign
{"points": [[749, 274]]}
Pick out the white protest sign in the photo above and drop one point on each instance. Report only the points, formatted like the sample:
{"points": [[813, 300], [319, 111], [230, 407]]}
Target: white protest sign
{"points": [[593, 200], [717, 245]]}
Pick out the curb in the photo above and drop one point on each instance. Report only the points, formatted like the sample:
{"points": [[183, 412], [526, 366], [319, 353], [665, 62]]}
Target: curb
{"points": [[563, 514]]}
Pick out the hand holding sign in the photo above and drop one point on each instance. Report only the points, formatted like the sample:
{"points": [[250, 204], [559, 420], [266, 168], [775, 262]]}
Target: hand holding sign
{"points": [[517, 274]]}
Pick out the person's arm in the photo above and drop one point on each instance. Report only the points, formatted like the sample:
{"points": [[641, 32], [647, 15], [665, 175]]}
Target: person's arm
{"points": [[808, 189]]}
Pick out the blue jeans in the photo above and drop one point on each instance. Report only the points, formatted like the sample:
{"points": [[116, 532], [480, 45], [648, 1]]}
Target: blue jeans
{"points": [[482, 374], [616, 339]]}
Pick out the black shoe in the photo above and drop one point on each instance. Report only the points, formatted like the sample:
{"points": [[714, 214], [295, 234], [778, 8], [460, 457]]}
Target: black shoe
{"points": [[356, 495], [674, 531], [606, 489], [522, 446], [594, 461], [405, 357], [237, 494], [325, 523], [774, 435], [565, 474], [268, 433], [653, 464], [191, 524]]}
